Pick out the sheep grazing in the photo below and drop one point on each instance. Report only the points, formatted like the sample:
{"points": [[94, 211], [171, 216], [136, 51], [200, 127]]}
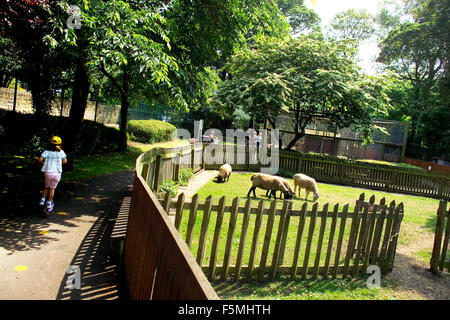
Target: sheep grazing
{"points": [[267, 182], [274, 192], [224, 173], [303, 181]]}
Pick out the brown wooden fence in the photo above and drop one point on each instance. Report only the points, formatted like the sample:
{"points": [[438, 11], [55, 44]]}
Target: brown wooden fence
{"points": [[341, 171], [157, 262], [161, 164], [246, 242], [440, 259]]}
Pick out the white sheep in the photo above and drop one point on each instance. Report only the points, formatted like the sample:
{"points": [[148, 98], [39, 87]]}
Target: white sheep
{"points": [[303, 181], [268, 182], [224, 173]]}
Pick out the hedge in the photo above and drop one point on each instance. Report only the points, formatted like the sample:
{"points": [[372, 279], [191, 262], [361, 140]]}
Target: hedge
{"points": [[150, 131]]}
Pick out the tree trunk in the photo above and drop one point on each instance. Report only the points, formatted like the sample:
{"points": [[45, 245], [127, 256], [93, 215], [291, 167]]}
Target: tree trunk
{"points": [[298, 136], [80, 93], [124, 110]]}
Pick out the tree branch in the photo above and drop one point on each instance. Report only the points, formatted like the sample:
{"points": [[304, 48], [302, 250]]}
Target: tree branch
{"points": [[110, 77]]}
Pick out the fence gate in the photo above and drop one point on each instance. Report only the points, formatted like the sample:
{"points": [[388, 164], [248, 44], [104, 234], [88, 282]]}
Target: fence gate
{"points": [[440, 259]]}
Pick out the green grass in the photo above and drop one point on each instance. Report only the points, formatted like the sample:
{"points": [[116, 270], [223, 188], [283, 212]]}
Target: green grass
{"points": [[419, 211], [419, 217], [336, 289], [88, 166]]}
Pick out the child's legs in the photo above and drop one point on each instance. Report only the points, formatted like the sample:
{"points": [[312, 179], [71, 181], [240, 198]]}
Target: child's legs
{"points": [[51, 193], [51, 182], [45, 193]]}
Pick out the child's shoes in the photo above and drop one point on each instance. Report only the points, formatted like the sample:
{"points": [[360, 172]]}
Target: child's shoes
{"points": [[49, 206]]}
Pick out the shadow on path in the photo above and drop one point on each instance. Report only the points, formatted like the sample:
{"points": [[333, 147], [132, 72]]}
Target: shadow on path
{"points": [[99, 277], [87, 205]]}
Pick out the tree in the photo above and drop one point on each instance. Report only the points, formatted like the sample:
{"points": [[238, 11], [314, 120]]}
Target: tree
{"points": [[301, 18], [24, 26], [418, 51], [352, 24], [308, 79], [167, 46]]}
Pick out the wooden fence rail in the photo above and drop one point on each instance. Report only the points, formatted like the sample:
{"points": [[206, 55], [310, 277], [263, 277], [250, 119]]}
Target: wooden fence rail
{"points": [[233, 242], [340, 171], [159, 165], [440, 259], [157, 263]]}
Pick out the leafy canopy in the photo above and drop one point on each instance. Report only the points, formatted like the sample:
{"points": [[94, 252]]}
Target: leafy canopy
{"points": [[305, 78]]}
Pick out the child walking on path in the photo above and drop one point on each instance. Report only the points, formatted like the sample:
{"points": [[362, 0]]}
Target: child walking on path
{"points": [[53, 157]]}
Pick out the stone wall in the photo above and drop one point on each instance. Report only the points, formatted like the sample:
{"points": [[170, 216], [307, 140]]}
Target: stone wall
{"points": [[106, 114]]}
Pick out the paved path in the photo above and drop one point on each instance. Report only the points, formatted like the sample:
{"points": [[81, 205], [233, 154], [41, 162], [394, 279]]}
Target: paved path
{"points": [[35, 252], [198, 181]]}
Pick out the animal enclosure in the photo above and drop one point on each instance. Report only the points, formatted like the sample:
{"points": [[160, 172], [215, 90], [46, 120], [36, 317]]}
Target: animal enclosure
{"points": [[235, 243]]}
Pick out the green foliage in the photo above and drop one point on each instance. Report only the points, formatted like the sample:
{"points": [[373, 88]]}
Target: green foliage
{"points": [[24, 135], [300, 17], [305, 78], [169, 186], [185, 175], [150, 131], [285, 174], [352, 24], [417, 50]]}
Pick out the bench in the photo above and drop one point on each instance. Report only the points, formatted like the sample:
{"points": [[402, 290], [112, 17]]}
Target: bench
{"points": [[119, 232]]}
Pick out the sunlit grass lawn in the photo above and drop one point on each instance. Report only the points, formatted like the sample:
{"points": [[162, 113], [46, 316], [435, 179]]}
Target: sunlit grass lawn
{"points": [[101, 164], [419, 214]]}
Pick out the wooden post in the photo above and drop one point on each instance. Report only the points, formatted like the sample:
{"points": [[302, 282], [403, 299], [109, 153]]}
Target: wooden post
{"points": [[192, 156], [256, 231], [204, 230], [268, 235], [179, 211], [157, 167], [245, 221], [15, 96], [177, 166], [192, 217], [96, 105], [215, 243], [62, 103], [434, 262], [298, 243], [231, 228]]}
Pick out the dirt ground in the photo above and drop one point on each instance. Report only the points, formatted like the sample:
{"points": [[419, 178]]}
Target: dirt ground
{"points": [[413, 275]]}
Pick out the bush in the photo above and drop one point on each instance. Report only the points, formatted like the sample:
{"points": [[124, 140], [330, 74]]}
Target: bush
{"points": [[185, 175], [285, 174], [150, 131], [169, 186]]}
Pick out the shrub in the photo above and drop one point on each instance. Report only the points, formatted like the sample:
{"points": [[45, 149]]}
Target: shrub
{"points": [[150, 131], [169, 186], [185, 175], [285, 174]]}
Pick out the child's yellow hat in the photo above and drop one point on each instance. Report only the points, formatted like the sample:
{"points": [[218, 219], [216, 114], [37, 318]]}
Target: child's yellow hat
{"points": [[56, 140]]}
